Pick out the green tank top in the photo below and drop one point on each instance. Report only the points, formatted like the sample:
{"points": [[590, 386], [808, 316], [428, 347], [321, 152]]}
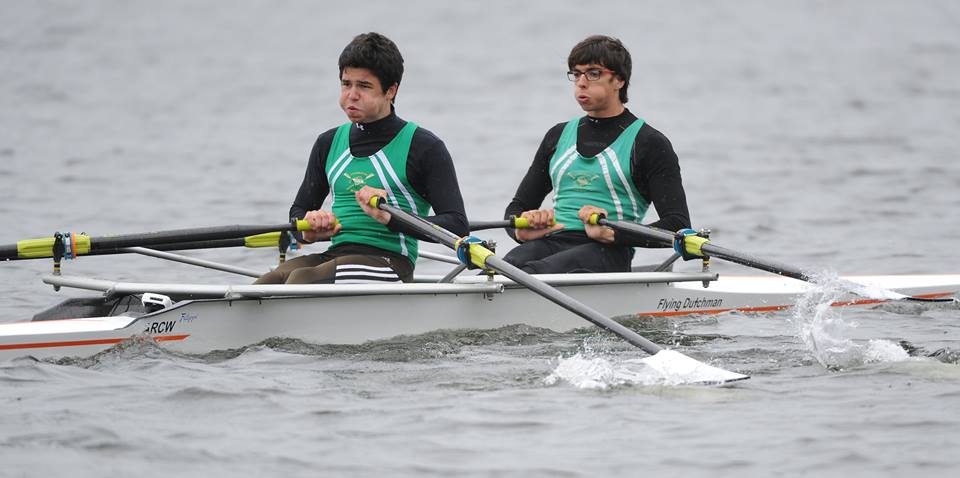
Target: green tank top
{"points": [[602, 180], [386, 169]]}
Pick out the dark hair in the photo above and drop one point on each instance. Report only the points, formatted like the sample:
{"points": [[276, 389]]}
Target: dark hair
{"points": [[376, 53], [607, 52]]}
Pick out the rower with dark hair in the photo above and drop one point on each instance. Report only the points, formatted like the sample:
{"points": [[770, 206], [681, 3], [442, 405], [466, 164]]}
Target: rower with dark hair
{"points": [[608, 162], [375, 154]]}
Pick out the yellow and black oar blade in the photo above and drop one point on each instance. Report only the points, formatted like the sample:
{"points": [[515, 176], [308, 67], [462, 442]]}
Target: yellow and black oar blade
{"points": [[481, 257], [706, 248], [82, 244]]}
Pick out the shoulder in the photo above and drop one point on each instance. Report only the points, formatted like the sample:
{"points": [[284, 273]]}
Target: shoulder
{"points": [[651, 138], [321, 148], [554, 133], [427, 146], [426, 137], [327, 136], [557, 128]]}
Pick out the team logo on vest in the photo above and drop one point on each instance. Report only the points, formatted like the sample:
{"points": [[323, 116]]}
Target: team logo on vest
{"points": [[582, 180], [357, 180]]}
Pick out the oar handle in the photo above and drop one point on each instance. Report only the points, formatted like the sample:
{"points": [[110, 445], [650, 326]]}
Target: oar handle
{"points": [[515, 222]]}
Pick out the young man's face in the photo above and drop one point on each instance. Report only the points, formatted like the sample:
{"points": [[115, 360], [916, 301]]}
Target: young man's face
{"points": [[600, 97], [361, 96]]}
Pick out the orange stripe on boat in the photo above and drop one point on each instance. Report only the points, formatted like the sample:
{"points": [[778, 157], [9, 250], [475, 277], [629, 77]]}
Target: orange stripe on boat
{"points": [[774, 308], [770, 308], [76, 343]]}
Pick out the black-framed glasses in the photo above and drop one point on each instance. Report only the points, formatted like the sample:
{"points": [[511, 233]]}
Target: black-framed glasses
{"points": [[592, 74]]}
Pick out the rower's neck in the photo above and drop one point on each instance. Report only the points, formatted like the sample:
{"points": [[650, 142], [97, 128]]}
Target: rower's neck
{"points": [[368, 138], [378, 126], [612, 111], [602, 122]]}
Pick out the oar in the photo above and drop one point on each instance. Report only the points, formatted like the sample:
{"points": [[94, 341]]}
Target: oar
{"points": [[513, 222], [178, 239], [707, 248], [485, 259]]}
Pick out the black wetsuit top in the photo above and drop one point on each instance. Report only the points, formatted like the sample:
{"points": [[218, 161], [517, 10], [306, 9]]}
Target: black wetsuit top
{"points": [[429, 170], [654, 169]]}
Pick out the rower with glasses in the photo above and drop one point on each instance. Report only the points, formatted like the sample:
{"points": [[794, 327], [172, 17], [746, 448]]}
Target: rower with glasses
{"points": [[609, 162]]}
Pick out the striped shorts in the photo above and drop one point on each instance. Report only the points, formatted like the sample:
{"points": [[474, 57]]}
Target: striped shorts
{"points": [[333, 268]]}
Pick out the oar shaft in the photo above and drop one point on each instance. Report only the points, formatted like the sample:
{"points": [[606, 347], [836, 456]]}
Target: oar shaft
{"points": [[482, 225], [775, 267], [512, 272], [514, 222], [179, 239], [181, 235], [579, 308], [659, 235], [755, 262]]}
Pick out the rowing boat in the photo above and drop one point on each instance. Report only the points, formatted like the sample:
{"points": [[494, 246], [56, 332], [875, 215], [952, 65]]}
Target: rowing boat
{"points": [[200, 318]]}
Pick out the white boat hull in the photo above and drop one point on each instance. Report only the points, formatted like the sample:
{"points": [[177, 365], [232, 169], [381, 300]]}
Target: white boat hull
{"points": [[351, 314]]}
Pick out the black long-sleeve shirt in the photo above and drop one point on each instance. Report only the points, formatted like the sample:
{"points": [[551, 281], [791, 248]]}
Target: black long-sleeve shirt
{"points": [[430, 172], [654, 169]]}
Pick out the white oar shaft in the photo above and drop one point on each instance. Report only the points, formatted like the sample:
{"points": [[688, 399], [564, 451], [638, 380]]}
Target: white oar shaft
{"points": [[573, 305]]}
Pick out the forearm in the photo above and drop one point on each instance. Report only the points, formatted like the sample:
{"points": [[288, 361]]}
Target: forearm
{"points": [[536, 183], [314, 188]]}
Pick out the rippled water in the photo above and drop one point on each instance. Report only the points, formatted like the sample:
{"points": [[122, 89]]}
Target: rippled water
{"points": [[820, 134]]}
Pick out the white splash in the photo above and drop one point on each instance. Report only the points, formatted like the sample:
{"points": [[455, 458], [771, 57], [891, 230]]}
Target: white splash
{"points": [[824, 332], [667, 367]]}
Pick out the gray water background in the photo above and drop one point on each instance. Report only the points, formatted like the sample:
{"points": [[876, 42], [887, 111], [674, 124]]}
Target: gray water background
{"points": [[817, 133]]}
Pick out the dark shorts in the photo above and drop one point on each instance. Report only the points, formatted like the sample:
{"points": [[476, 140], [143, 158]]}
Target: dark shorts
{"points": [[347, 264], [569, 252]]}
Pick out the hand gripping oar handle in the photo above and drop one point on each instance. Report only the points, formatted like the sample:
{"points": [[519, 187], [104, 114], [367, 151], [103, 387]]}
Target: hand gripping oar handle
{"points": [[483, 258], [82, 244], [711, 250], [514, 222]]}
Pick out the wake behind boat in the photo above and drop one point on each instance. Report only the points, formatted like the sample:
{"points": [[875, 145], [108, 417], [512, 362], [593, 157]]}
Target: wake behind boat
{"points": [[200, 318]]}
